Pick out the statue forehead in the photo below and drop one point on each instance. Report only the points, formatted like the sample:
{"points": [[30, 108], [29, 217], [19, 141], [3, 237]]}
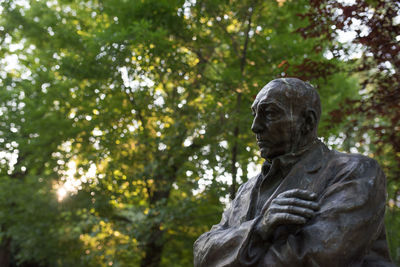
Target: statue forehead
{"points": [[272, 92]]}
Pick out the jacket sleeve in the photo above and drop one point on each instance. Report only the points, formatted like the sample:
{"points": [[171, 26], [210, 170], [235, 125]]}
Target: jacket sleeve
{"points": [[224, 244], [343, 230]]}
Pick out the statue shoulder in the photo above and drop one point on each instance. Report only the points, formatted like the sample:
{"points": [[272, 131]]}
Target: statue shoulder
{"points": [[354, 162]]}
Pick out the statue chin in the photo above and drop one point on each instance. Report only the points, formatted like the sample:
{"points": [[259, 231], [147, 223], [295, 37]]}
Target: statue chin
{"points": [[268, 153], [265, 153]]}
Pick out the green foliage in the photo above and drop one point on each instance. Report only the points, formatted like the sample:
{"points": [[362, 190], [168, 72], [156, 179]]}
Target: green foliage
{"points": [[392, 222], [150, 101]]}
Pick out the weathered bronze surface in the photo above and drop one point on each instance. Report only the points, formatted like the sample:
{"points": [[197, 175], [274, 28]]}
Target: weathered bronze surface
{"points": [[310, 206]]}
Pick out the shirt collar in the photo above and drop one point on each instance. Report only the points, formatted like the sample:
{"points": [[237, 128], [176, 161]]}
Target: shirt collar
{"points": [[287, 161]]}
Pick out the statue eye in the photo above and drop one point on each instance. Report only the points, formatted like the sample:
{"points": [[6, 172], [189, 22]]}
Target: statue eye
{"points": [[271, 113]]}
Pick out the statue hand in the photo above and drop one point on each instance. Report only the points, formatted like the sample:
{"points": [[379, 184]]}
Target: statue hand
{"points": [[290, 207]]}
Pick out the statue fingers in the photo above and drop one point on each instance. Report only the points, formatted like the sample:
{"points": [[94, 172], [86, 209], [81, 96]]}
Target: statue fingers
{"points": [[298, 193], [293, 210], [287, 218], [297, 202]]}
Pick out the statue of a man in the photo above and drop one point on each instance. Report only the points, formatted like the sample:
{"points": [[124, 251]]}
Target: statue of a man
{"points": [[309, 206]]}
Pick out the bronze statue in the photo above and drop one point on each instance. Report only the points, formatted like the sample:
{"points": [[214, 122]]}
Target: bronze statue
{"points": [[309, 206]]}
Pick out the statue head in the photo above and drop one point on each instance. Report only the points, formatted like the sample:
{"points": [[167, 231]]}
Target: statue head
{"points": [[286, 115]]}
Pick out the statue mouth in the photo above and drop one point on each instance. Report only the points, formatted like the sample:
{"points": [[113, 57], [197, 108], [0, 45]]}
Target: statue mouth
{"points": [[262, 143]]}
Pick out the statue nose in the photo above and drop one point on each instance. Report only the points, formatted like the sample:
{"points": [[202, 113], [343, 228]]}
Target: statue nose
{"points": [[256, 126]]}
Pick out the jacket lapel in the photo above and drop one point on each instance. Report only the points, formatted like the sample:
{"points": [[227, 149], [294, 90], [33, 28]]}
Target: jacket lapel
{"points": [[304, 174]]}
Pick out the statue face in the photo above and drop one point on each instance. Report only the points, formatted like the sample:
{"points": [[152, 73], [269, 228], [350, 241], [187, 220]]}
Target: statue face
{"points": [[275, 121]]}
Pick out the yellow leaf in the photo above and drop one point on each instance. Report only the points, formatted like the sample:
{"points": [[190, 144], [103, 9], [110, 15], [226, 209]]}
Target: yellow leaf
{"points": [[280, 2], [231, 28]]}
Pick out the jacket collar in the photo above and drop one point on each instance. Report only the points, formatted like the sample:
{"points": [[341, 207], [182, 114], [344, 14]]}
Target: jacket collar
{"points": [[310, 157], [314, 159]]}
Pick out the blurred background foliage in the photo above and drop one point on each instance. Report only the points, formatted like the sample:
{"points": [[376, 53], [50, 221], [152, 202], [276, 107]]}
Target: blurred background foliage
{"points": [[125, 125]]}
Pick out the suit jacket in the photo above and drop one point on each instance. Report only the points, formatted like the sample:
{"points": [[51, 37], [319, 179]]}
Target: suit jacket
{"points": [[348, 230]]}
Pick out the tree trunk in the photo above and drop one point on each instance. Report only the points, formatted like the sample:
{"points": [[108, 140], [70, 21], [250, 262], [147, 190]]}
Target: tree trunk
{"points": [[233, 162], [154, 244], [236, 130], [153, 248], [5, 252]]}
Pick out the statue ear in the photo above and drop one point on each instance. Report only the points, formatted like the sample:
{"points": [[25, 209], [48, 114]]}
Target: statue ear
{"points": [[310, 121]]}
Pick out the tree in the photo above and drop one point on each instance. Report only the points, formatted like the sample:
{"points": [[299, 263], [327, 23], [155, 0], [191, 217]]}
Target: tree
{"points": [[149, 100]]}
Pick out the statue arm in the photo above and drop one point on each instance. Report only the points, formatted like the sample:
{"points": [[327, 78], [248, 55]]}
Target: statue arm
{"points": [[225, 245], [349, 220]]}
